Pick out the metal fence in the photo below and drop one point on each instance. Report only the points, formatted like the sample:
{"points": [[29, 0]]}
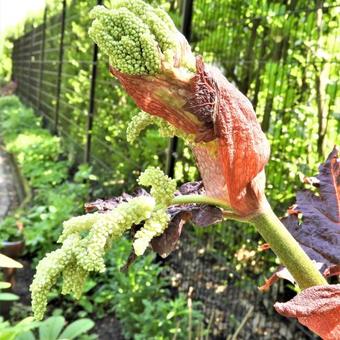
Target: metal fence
{"points": [[63, 76]]}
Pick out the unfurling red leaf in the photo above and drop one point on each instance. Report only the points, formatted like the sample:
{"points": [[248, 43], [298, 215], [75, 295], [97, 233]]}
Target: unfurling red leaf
{"points": [[319, 233], [318, 308]]}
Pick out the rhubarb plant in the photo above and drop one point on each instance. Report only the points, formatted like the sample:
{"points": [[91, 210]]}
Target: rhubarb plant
{"points": [[183, 96]]}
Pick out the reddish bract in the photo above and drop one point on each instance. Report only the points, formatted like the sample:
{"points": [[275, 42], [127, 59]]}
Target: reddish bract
{"points": [[318, 308], [231, 149]]}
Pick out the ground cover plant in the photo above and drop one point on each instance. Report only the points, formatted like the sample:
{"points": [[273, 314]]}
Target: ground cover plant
{"points": [[188, 98], [140, 298]]}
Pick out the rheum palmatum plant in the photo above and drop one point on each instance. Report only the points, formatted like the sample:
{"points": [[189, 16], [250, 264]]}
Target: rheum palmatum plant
{"points": [[185, 97]]}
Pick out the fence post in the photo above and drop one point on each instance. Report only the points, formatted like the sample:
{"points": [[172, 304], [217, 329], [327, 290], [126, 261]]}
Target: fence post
{"points": [[186, 30], [90, 116], [14, 59], [31, 63], [60, 68], [42, 58]]}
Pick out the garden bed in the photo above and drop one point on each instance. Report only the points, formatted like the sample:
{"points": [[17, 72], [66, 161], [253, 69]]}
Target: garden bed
{"points": [[138, 298], [231, 307]]}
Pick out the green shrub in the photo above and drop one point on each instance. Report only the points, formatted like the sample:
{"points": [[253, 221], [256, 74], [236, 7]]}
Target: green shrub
{"points": [[15, 118], [35, 149], [38, 155], [9, 230]]}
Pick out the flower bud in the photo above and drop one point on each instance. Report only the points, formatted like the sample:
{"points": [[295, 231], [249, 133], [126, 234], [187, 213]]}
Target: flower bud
{"points": [[230, 148]]}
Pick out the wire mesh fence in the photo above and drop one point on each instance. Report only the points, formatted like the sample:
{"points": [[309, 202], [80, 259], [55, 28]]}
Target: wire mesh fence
{"points": [[281, 54]]}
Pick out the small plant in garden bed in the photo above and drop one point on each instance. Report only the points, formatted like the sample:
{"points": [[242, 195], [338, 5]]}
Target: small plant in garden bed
{"points": [[50, 329], [187, 98], [37, 153], [10, 230], [34, 148]]}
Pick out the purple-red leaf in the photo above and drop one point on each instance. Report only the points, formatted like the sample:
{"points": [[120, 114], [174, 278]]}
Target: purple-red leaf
{"points": [[166, 243], [101, 205], [319, 233], [199, 214], [318, 308]]}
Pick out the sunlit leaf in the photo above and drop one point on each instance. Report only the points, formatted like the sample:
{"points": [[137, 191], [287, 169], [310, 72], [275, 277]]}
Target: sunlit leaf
{"points": [[7, 262], [318, 308]]}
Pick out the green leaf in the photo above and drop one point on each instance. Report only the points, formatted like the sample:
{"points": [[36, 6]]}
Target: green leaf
{"points": [[4, 285], [8, 297], [26, 336], [77, 328], [51, 328], [7, 262]]}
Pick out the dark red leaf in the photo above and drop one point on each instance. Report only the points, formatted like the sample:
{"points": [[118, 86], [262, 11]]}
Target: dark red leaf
{"points": [[101, 205], [166, 243], [319, 233], [318, 308], [200, 214]]}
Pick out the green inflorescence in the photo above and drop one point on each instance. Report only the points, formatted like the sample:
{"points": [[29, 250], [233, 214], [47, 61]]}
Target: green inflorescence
{"points": [[162, 186], [142, 120], [138, 123], [153, 227], [162, 189], [48, 271], [85, 239], [137, 37]]}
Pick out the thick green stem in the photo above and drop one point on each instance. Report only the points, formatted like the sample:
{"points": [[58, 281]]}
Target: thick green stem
{"points": [[200, 199], [287, 249], [275, 233]]}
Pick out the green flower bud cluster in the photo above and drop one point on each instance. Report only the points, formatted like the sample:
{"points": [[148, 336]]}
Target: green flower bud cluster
{"points": [[138, 123], [78, 224], [127, 41], [153, 227], [74, 277], [137, 37], [142, 120], [162, 189], [109, 227], [80, 254], [85, 239], [162, 186], [48, 271]]}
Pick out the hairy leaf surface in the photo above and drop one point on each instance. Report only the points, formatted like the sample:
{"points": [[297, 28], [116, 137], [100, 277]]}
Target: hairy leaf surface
{"points": [[318, 308]]}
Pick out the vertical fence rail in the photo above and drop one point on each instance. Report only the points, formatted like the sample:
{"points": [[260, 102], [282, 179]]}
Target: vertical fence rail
{"points": [[31, 64], [42, 59], [60, 66], [173, 143], [90, 116]]}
